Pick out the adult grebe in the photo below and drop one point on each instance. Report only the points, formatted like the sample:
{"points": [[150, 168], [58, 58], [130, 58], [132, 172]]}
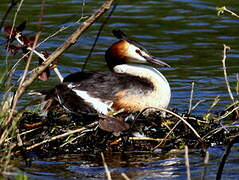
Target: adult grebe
{"points": [[129, 87]]}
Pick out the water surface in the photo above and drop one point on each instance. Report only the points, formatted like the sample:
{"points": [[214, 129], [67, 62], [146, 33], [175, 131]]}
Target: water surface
{"points": [[186, 34]]}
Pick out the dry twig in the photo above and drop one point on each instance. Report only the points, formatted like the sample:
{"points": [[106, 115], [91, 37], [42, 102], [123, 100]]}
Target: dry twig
{"points": [[199, 102], [226, 48], [167, 135], [170, 112], [225, 75], [223, 9], [206, 159], [63, 135], [106, 167], [70, 41], [125, 176], [191, 99], [187, 163], [39, 55]]}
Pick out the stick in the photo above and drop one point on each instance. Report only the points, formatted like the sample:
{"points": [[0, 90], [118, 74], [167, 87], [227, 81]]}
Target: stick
{"points": [[237, 87], [225, 75], [106, 167], [215, 102], [187, 163], [167, 135], [39, 55], [14, 20], [16, 97], [191, 99], [8, 44], [125, 176], [222, 9], [227, 114], [63, 135], [174, 114], [181, 118], [46, 39], [81, 135], [29, 60], [199, 102], [138, 139], [225, 70], [206, 159], [69, 42]]}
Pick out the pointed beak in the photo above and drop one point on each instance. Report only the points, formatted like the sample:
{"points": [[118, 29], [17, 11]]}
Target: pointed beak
{"points": [[153, 60]]}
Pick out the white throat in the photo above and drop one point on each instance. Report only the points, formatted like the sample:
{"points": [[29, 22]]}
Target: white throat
{"points": [[162, 89]]}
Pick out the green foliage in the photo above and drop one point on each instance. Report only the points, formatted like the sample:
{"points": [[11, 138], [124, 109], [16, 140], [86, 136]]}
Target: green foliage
{"points": [[21, 176]]}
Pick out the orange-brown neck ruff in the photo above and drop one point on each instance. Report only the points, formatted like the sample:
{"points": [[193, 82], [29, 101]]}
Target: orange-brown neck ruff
{"points": [[115, 55]]}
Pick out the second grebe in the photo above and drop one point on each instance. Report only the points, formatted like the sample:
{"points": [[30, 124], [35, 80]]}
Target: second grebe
{"points": [[131, 87]]}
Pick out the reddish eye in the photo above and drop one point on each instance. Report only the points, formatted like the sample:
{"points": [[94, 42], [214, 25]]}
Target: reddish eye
{"points": [[138, 51]]}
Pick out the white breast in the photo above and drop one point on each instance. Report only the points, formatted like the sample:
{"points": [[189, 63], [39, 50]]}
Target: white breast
{"points": [[162, 89], [97, 104]]}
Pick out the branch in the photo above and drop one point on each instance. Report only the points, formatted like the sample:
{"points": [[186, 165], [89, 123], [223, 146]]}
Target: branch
{"points": [[69, 42], [223, 9], [39, 55], [181, 119], [191, 99], [63, 135], [205, 163], [107, 171], [187, 163], [226, 48]]}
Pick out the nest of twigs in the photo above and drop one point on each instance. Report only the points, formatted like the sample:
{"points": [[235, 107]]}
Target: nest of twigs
{"points": [[64, 132]]}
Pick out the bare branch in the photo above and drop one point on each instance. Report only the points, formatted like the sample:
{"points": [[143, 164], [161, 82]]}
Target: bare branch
{"points": [[125, 176], [106, 167], [226, 48], [69, 42], [187, 163], [63, 135], [223, 9], [191, 99]]}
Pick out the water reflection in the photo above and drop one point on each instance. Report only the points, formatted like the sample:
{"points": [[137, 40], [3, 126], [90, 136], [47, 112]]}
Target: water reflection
{"points": [[136, 166]]}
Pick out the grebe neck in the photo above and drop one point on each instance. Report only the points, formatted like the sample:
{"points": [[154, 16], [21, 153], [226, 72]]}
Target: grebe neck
{"points": [[160, 83]]}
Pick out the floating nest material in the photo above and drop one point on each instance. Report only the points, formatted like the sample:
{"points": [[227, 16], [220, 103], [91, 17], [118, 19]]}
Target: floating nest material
{"points": [[64, 132]]}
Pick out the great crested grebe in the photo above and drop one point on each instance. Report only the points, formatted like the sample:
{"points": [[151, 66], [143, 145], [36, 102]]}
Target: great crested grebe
{"points": [[131, 87]]}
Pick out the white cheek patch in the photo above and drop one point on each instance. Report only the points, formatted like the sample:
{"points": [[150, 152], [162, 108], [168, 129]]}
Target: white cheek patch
{"points": [[133, 55], [97, 104]]}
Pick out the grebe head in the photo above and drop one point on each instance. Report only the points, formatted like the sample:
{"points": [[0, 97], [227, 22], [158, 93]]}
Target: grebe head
{"points": [[127, 50]]}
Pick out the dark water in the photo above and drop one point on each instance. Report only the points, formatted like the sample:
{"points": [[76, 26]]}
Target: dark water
{"points": [[186, 34]]}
